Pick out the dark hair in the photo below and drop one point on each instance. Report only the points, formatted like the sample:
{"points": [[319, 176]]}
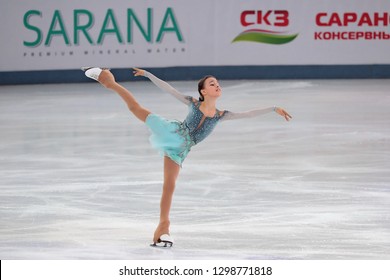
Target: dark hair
{"points": [[201, 86]]}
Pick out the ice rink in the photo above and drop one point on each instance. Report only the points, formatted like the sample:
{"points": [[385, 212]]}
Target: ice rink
{"points": [[79, 180]]}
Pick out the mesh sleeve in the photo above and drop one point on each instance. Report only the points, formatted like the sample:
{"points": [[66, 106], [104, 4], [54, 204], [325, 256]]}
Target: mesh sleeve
{"points": [[249, 114], [167, 87]]}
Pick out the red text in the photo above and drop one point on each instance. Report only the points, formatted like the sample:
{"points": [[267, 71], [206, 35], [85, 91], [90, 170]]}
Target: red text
{"points": [[273, 18]]}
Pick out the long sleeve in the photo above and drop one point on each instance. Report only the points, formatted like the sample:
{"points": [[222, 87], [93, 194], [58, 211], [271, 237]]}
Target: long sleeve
{"points": [[167, 87], [250, 114]]}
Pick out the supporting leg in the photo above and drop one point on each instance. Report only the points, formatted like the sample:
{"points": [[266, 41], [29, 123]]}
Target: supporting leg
{"points": [[171, 172]]}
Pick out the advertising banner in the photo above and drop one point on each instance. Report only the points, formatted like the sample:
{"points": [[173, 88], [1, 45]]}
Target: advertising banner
{"points": [[67, 34]]}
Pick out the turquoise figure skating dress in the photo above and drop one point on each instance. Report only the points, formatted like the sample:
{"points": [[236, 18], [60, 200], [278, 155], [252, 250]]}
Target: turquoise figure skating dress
{"points": [[174, 138]]}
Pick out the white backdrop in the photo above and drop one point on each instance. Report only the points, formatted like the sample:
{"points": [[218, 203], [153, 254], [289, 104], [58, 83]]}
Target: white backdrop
{"points": [[65, 34]]}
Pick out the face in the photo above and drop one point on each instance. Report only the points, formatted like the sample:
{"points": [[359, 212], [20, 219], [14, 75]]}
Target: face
{"points": [[211, 88]]}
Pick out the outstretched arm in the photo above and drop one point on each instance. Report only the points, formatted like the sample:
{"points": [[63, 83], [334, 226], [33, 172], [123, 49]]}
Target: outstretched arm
{"points": [[162, 85], [254, 113]]}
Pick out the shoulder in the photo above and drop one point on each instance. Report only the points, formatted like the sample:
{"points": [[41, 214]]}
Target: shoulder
{"points": [[224, 114], [192, 100]]}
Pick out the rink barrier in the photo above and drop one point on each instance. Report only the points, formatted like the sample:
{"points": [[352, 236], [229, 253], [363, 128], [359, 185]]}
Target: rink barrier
{"points": [[196, 72]]}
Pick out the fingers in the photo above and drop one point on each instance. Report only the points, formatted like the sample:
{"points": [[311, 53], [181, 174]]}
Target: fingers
{"points": [[138, 72], [284, 114]]}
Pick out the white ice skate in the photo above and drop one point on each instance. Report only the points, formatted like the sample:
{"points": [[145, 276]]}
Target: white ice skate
{"points": [[93, 72], [165, 241]]}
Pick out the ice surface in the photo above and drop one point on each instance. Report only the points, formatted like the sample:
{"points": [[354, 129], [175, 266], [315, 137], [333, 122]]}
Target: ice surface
{"points": [[78, 179]]}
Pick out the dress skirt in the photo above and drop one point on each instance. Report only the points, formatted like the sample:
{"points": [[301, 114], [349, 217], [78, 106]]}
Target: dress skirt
{"points": [[170, 137]]}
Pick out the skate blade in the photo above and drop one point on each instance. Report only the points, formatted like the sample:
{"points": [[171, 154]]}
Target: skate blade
{"points": [[85, 68], [162, 244]]}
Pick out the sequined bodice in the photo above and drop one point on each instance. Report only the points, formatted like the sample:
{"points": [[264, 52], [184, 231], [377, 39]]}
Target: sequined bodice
{"points": [[198, 125]]}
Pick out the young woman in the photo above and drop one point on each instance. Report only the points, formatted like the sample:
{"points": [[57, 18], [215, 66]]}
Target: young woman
{"points": [[174, 139]]}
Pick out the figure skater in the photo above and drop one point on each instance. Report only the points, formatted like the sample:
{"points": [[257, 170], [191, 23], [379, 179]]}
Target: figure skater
{"points": [[172, 138]]}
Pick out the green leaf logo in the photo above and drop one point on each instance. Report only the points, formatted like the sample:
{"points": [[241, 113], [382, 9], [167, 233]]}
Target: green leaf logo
{"points": [[264, 36]]}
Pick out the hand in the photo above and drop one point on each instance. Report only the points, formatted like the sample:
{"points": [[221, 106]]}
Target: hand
{"points": [[138, 72], [283, 113]]}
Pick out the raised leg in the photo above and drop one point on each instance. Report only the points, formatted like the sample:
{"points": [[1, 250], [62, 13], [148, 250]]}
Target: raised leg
{"points": [[108, 80]]}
